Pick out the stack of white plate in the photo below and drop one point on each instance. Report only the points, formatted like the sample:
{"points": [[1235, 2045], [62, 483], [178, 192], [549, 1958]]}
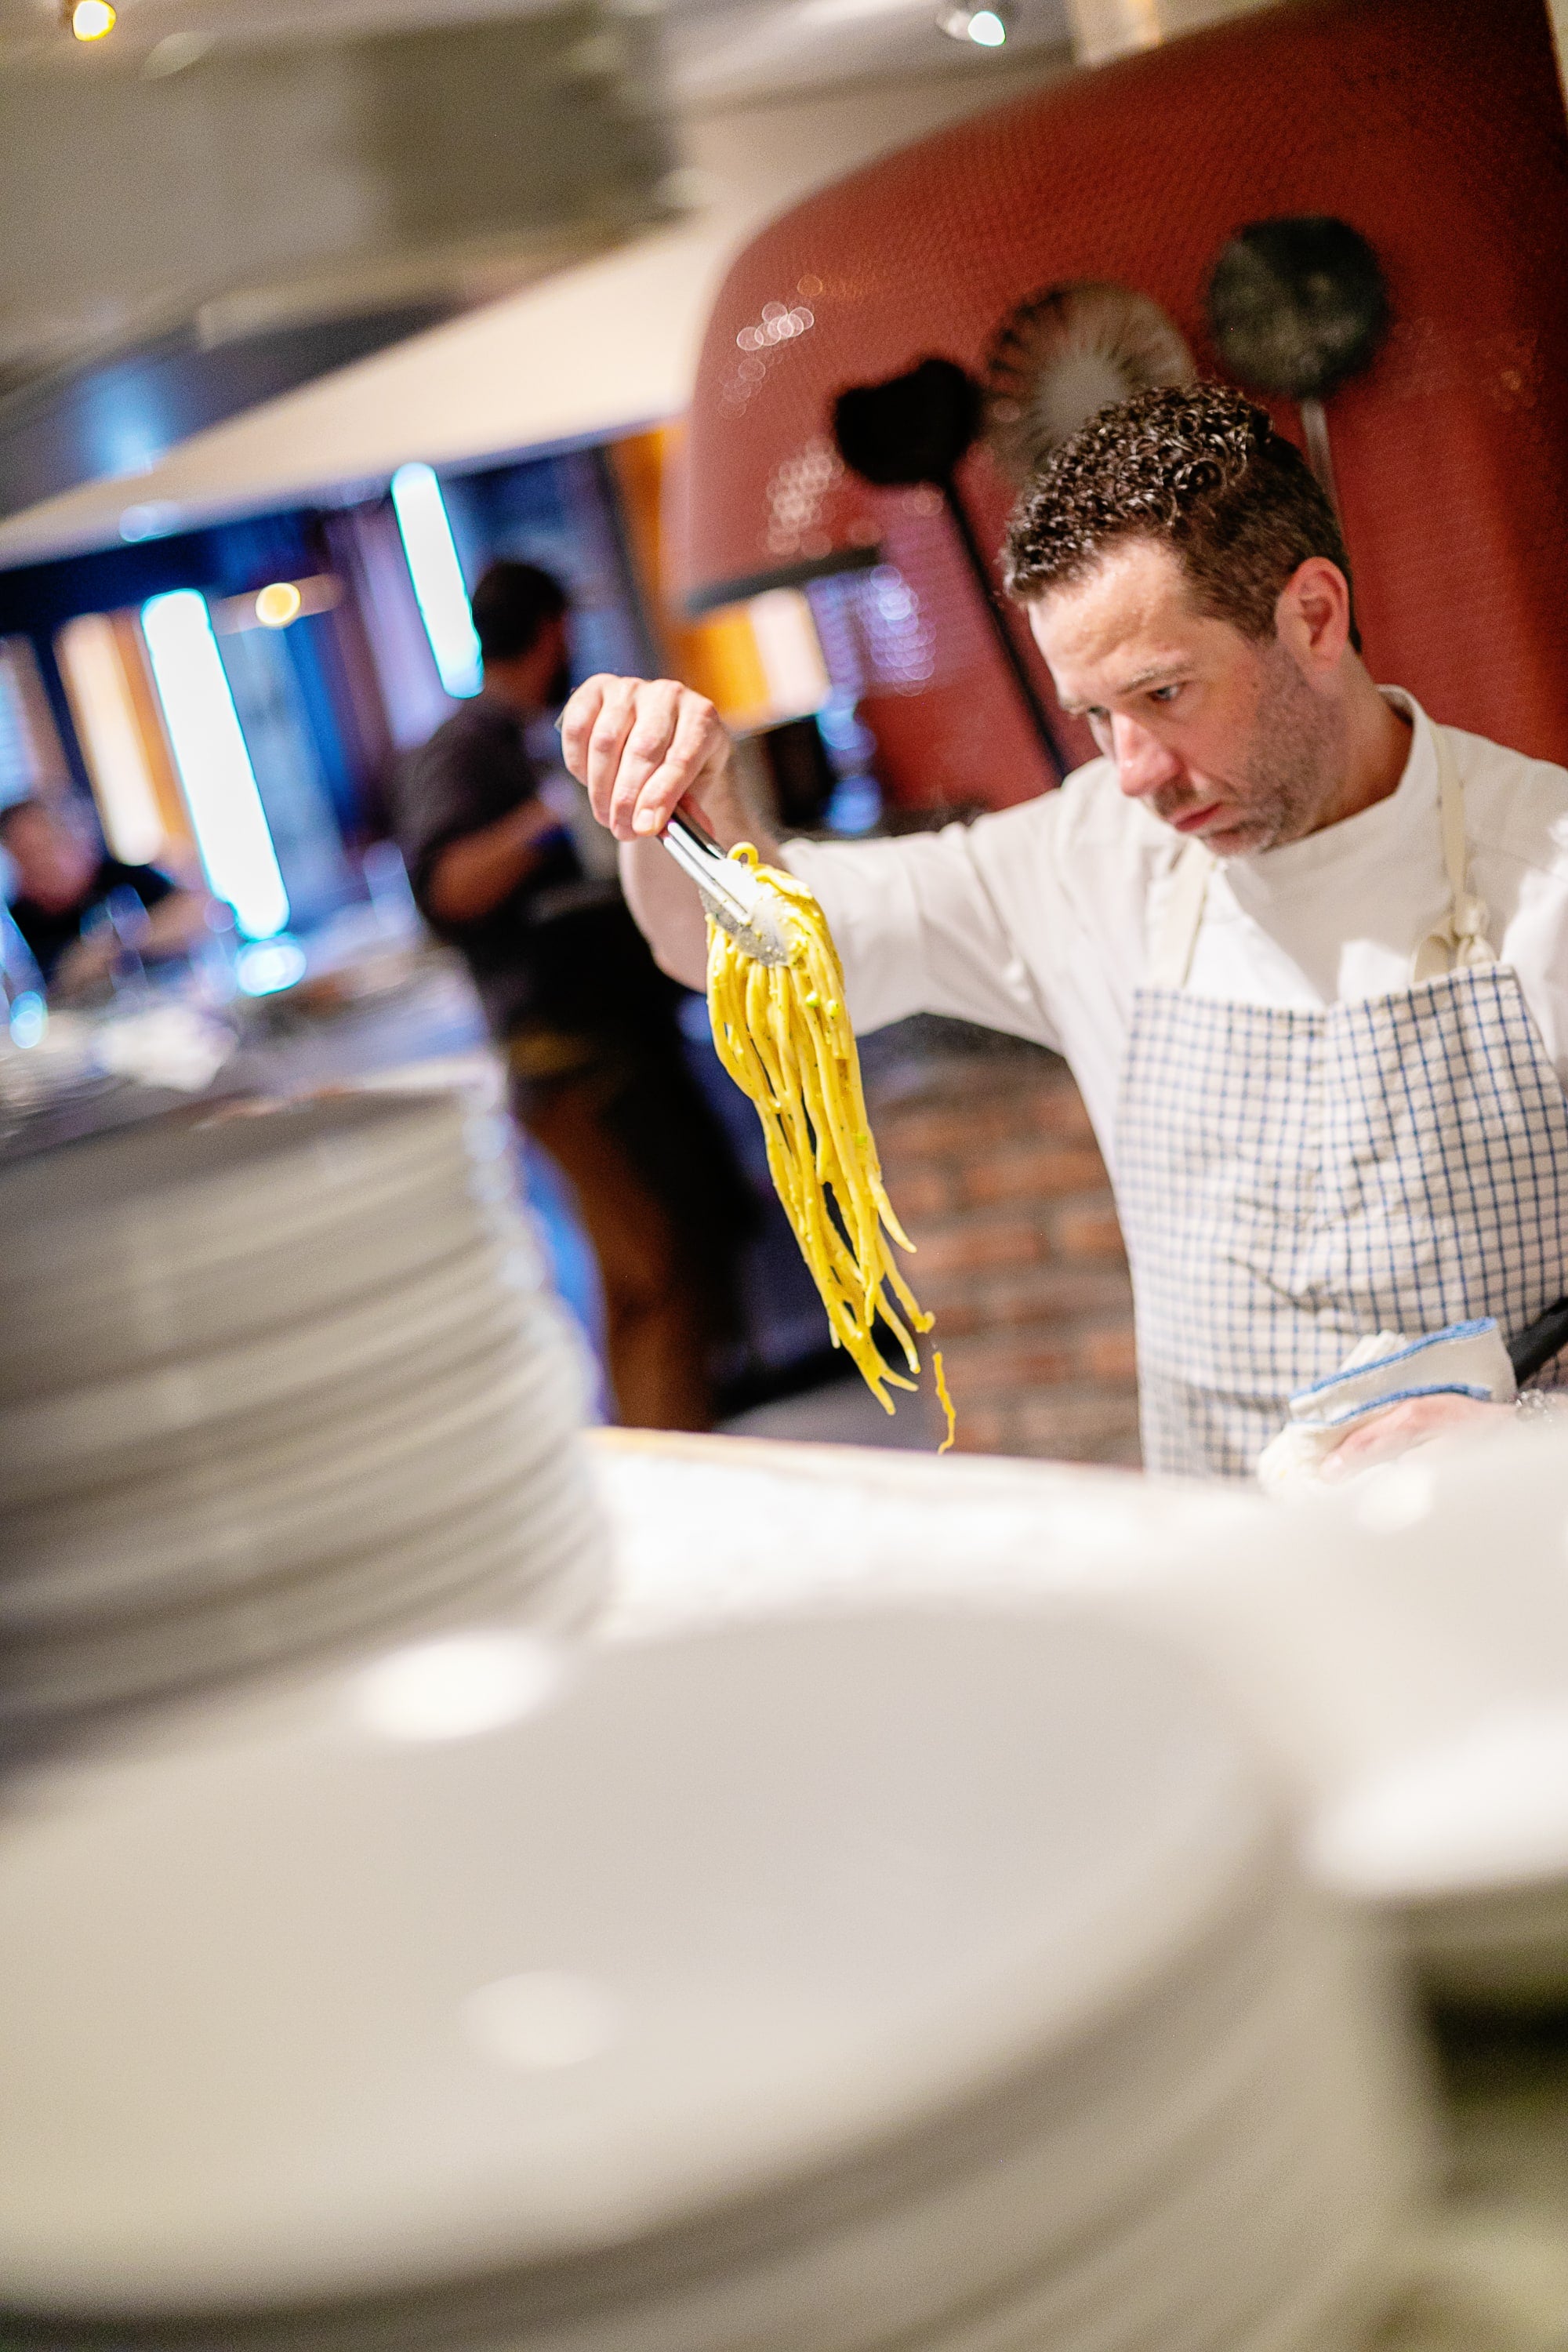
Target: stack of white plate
{"points": [[898, 1981], [1398, 1647], [56, 1073], [271, 1383]]}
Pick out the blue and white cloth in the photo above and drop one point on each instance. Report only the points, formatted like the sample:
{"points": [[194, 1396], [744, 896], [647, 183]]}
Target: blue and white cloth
{"points": [[1468, 1360]]}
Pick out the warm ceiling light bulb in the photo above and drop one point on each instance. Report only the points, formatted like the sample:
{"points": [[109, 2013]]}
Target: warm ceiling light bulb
{"points": [[277, 605], [91, 19]]}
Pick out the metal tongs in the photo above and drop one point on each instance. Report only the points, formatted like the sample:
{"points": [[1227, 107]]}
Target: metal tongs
{"points": [[738, 900]]}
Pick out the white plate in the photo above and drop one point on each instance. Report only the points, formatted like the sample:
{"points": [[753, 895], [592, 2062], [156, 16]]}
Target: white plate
{"points": [[1397, 1642], [196, 1188], [515, 1554], [49, 1445], [822, 1880], [298, 1440], [156, 1312], [218, 1483], [1407, 1654], [206, 1474], [158, 1193], [975, 2247], [1100, 2225], [306, 1426], [230, 1535]]}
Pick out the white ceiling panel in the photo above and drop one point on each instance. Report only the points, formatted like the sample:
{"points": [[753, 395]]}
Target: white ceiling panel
{"points": [[714, 48]]}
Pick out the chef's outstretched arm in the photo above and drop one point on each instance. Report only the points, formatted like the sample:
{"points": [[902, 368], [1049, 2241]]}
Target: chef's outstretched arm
{"points": [[642, 748]]}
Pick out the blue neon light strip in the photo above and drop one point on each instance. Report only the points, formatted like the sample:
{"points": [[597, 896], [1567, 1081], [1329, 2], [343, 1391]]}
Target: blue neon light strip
{"points": [[438, 577]]}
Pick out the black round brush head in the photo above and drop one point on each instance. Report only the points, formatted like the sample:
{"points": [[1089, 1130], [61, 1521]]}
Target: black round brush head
{"points": [[913, 428], [1296, 305]]}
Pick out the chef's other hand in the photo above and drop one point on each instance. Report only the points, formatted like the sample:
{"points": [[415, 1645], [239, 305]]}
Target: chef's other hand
{"points": [[1415, 1421], [641, 746]]}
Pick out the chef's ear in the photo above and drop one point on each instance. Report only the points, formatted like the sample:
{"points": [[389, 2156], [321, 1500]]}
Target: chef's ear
{"points": [[1312, 616]]}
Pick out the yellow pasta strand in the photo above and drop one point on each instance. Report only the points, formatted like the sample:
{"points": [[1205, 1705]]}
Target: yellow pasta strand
{"points": [[944, 1399], [783, 1035]]}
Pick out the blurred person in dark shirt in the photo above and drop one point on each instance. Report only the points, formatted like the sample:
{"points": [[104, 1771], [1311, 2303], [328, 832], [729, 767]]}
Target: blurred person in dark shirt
{"points": [[68, 903], [584, 1017]]}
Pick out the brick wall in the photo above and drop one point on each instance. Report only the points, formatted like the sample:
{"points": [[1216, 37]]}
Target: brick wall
{"points": [[992, 1164]]}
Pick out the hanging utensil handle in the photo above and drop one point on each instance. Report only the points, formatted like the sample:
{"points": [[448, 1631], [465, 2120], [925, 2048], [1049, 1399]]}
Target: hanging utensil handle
{"points": [[996, 614], [1320, 456]]}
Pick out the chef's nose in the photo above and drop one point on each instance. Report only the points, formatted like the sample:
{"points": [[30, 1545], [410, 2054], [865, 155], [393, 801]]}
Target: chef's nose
{"points": [[1144, 764]]}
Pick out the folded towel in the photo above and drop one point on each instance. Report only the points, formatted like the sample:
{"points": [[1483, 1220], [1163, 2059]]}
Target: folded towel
{"points": [[1466, 1359]]}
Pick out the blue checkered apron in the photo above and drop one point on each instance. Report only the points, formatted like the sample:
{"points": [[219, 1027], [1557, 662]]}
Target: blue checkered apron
{"points": [[1290, 1181]]}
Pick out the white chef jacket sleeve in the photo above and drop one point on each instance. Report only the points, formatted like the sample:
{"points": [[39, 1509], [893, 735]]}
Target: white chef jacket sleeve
{"points": [[917, 930]]}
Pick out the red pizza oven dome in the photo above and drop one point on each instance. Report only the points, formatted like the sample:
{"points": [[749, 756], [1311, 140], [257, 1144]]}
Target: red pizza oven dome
{"points": [[1437, 131]]}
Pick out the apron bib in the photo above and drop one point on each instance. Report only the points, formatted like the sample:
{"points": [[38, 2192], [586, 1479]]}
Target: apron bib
{"points": [[1290, 1181]]}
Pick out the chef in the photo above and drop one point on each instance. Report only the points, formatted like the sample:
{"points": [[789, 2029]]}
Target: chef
{"points": [[1305, 949]]}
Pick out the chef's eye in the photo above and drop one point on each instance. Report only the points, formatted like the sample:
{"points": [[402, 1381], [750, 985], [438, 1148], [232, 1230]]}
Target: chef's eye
{"points": [[1163, 693]]}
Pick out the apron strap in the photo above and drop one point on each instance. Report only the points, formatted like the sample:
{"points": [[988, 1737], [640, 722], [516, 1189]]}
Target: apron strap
{"points": [[1177, 921], [1459, 944]]}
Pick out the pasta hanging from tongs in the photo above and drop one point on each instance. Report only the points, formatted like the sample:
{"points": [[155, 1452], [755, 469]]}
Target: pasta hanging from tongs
{"points": [[783, 1035]]}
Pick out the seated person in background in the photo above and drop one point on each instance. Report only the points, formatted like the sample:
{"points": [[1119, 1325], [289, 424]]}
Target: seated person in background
{"points": [[586, 1018], [65, 882]]}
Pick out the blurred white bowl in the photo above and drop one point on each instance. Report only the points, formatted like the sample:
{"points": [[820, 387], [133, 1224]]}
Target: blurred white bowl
{"points": [[1399, 1648], [785, 1986]]}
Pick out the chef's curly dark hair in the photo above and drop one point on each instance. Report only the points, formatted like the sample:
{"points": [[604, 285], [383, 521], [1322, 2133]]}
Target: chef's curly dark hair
{"points": [[1197, 466]]}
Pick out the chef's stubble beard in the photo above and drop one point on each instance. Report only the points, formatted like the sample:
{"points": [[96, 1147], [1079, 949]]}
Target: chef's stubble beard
{"points": [[1294, 762]]}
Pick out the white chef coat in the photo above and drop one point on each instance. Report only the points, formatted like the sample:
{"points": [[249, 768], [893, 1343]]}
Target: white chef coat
{"points": [[1037, 920]]}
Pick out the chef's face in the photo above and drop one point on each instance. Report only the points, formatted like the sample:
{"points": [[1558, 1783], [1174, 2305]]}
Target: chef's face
{"points": [[1239, 741]]}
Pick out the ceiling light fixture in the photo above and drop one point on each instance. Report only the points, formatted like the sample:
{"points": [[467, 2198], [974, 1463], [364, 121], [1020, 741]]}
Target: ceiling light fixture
{"points": [[986, 27], [89, 19]]}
